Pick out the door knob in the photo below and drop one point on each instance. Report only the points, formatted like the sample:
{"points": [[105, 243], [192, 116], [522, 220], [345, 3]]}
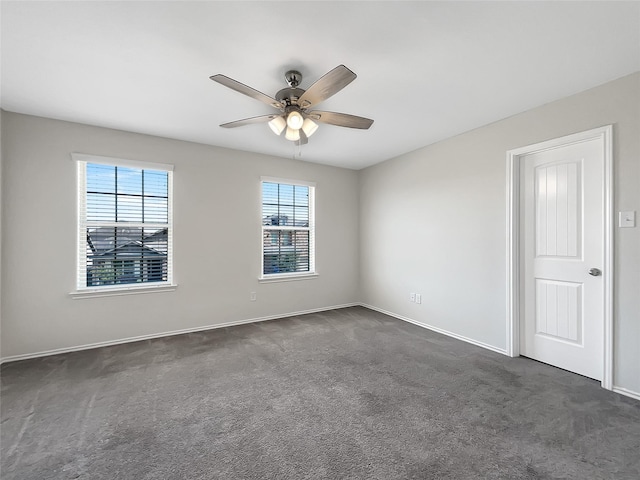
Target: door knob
{"points": [[596, 272]]}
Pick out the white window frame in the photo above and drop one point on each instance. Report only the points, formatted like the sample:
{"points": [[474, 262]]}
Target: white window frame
{"points": [[81, 290], [283, 277]]}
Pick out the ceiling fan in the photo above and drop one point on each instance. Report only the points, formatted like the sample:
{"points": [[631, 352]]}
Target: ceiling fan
{"points": [[295, 118]]}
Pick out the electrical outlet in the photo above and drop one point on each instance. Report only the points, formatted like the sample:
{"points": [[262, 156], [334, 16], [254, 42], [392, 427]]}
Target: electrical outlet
{"points": [[412, 297], [252, 296], [418, 298]]}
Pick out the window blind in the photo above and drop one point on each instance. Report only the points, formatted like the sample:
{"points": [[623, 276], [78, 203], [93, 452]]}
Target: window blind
{"points": [[287, 228], [125, 225]]}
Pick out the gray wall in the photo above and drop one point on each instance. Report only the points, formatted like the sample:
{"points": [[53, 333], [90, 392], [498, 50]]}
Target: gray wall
{"points": [[433, 222], [217, 238]]}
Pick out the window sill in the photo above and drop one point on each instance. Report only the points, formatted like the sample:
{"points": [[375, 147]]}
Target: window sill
{"points": [[118, 291], [287, 278]]}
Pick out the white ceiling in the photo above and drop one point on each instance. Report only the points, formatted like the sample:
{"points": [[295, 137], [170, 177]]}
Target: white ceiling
{"points": [[426, 70]]}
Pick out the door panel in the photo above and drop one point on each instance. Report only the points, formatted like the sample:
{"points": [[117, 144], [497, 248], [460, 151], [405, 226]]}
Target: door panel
{"points": [[559, 310], [558, 209]]}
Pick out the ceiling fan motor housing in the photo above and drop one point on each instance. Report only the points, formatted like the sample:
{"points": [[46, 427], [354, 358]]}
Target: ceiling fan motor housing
{"points": [[289, 96]]}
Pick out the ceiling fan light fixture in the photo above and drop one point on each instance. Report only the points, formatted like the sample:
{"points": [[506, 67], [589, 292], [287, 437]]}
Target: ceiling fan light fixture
{"points": [[295, 120], [292, 134], [309, 127], [277, 125]]}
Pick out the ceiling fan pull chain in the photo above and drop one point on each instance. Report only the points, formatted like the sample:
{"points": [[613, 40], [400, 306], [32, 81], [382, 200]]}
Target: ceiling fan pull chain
{"points": [[297, 151]]}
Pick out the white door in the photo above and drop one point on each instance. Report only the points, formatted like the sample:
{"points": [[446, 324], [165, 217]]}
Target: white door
{"points": [[562, 255]]}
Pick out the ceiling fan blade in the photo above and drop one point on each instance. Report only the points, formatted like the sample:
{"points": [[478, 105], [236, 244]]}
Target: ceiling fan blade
{"points": [[246, 90], [303, 138], [341, 119], [327, 86], [249, 121]]}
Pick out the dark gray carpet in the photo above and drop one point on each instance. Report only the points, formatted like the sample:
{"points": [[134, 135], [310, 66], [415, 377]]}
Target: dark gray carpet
{"points": [[346, 394]]}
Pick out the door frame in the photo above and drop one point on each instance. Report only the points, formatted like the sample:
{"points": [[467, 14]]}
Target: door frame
{"points": [[514, 162]]}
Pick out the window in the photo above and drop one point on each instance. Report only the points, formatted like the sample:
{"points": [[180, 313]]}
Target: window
{"points": [[287, 228], [125, 224]]}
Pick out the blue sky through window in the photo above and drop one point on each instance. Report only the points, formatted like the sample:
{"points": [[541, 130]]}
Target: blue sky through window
{"points": [[287, 203], [126, 194]]}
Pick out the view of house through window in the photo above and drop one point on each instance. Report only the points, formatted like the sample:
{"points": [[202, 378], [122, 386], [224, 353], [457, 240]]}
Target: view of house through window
{"points": [[126, 221], [287, 228]]}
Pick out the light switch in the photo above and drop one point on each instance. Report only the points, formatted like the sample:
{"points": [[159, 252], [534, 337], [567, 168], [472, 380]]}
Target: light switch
{"points": [[627, 219]]}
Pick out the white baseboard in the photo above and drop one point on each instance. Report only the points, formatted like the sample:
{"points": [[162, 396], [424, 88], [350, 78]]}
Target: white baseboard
{"points": [[626, 392], [57, 351], [438, 330]]}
